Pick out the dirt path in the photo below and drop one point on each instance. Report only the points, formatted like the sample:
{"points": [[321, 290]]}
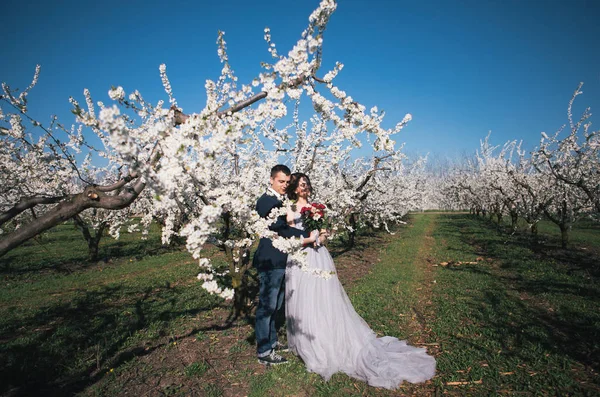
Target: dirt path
{"points": [[208, 359], [423, 310]]}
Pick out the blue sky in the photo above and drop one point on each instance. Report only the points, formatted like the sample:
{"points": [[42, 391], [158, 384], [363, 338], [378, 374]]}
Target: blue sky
{"points": [[460, 67]]}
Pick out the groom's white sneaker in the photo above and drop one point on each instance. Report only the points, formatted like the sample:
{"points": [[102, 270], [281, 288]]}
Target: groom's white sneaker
{"points": [[272, 359], [280, 347]]}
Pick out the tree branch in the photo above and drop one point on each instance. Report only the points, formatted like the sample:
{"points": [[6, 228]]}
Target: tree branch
{"points": [[26, 203], [181, 117], [93, 196], [119, 184], [65, 210]]}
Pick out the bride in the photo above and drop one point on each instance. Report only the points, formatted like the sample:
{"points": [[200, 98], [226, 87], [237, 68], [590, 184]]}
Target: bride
{"points": [[324, 329]]}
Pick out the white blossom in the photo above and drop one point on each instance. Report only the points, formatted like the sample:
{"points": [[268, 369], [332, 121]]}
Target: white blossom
{"points": [[116, 94]]}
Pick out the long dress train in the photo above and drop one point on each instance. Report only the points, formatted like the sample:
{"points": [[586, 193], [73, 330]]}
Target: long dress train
{"points": [[326, 332]]}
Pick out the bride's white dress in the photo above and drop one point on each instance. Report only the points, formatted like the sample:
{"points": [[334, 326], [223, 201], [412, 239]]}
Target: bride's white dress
{"points": [[326, 332]]}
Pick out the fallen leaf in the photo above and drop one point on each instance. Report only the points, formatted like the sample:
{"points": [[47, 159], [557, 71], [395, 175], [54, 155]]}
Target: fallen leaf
{"points": [[476, 382], [506, 373]]}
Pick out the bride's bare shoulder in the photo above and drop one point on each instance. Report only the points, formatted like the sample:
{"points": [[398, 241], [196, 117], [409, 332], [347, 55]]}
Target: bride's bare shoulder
{"points": [[290, 215]]}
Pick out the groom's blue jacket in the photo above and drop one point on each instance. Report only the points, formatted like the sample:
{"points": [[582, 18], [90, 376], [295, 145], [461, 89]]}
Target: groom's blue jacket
{"points": [[266, 256]]}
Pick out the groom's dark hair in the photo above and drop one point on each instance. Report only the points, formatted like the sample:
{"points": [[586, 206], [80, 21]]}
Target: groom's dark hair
{"points": [[280, 168]]}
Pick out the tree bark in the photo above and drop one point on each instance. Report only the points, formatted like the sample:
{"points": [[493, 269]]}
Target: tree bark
{"points": [[514, 218], [90, 198], [27, 203], [534, 229], [352, 233], [242, 299], [564, 235], [93, 241], [563, 221]]}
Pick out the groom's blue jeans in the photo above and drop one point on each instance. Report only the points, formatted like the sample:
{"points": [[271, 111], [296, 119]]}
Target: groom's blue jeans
{"points": [[270, 299]]}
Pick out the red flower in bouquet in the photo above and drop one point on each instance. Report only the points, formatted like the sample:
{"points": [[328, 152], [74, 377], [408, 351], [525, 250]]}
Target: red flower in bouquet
{"points": [[313, 216]]}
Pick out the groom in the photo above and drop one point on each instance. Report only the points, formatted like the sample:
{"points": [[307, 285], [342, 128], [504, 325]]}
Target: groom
{"points": [[270, 263]]}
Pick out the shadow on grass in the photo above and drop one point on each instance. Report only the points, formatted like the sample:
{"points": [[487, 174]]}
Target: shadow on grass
{"points": [[59, 350], [536, 296], [72, 255], [523, 322], [364, 239]]}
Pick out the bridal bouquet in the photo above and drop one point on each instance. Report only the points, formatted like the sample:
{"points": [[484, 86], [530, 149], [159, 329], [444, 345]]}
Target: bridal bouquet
{"points": [[313, 216]]}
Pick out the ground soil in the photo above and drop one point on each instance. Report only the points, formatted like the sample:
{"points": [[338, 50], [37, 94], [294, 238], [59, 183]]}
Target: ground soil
{"points": [[228, 351]]}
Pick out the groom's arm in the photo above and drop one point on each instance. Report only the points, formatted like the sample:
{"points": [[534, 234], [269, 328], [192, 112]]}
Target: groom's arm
{"points": [[264, 206]]}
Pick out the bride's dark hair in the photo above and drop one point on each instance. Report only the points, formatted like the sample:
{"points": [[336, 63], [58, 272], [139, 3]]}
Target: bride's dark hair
{"points": [[295, 179]]}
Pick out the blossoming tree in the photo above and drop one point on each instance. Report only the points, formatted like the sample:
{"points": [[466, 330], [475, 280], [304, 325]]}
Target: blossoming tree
{"points": [[560, 180], [202, 172], [574, 159]]}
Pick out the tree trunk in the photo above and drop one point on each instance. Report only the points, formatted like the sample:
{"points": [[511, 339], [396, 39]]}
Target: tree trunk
{"points": [[534, 229], [240, 302], [93, 242], [352, 233], [93, 250], [514, 218], [563, 221], [499, 217], [244, 293], [564, 235]]}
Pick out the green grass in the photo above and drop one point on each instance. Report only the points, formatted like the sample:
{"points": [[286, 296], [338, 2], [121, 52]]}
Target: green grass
{"points": [[63, 319], [583, 232], [528, 320], [384, 298], [525, 320], [196, 369]]}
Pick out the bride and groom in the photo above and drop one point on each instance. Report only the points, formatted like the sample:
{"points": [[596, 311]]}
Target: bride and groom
{"points": [[323, 328]]}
